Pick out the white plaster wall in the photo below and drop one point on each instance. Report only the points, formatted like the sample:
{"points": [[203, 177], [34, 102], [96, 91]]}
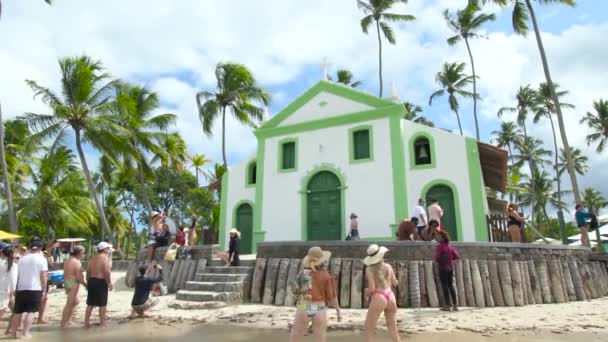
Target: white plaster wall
{"points": [[336, 106], [237, 191], [451, 164], [369, 190]]}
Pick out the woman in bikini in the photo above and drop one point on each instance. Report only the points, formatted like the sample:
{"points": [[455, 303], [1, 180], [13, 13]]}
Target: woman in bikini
{"points": [[314, 290], [380, 280]]}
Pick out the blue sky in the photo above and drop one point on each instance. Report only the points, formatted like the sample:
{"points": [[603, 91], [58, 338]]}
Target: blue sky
{"points": [[173, 47]]}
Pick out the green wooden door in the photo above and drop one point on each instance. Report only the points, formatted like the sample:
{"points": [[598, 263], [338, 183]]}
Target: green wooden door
{"points": [[324, 211], [244, 224], [445, 196]]}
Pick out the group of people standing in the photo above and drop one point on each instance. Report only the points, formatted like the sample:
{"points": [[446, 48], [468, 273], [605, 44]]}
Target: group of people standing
{"points": [[315, 290], [420, 226]]}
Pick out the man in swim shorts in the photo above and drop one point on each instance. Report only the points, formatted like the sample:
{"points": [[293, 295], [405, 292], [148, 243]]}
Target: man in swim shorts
{"points": [[99, 282], [72, 278]]}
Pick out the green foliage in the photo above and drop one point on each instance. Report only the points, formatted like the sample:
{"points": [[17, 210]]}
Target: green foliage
{"points": [[598, 123], [594, 200], [550, 229], [345, 77], [414, 113]]}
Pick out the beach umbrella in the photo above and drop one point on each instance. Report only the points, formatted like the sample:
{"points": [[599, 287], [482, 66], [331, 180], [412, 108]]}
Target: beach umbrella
{"points": [[8, 236], [591, 238]]}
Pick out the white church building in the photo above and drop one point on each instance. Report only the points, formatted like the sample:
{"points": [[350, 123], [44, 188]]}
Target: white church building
{"points": [[336, 151]]}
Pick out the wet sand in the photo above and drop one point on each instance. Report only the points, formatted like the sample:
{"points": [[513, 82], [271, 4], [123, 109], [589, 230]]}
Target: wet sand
{"points": [[148, 331]]}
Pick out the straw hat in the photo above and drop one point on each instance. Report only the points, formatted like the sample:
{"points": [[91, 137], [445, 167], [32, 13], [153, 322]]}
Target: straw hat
{"points": [[154, 213], [375, 254], [235, 231], [315, 257]]}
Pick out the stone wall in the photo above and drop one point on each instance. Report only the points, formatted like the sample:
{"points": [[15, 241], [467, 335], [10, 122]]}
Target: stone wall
{"points": [[488, 274]]}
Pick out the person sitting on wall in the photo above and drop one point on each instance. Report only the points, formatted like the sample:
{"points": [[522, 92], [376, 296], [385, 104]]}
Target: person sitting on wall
{"points": [[406, 231], [431, 233], [232, 257], [157, 221]]}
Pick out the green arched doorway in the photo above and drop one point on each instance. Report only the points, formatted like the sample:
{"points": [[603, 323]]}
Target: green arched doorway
{"points": [[445, 196], [323, 203], [244, 224]]}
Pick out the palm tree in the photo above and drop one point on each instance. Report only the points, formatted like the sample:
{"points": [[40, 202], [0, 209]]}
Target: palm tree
{"points": [[508, 135], [453, 80], [522, 12], [414, 113], [19, 155], [531, 151], [173, 152], [594, 200], [214, 177], [376, 12], [12, 219], [346, 77], [527, 101], [538, 193], [85, 108], [47, 1], [198, 161], [464, 24], [580, 161], [238, 91], [598, 122]]}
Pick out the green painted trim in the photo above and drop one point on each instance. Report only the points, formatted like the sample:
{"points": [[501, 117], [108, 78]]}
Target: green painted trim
{"points": [[248, 172], [477, 191], [411, 144], [304, 192], [235, 208], [429, 185], [351, 144], [329, 87], [258, 231], [399, 171], [223, 211], [281, 142], [348, 119]]}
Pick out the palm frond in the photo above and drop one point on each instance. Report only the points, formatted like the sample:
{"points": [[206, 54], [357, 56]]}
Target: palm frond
{"points": [[388, 33]]}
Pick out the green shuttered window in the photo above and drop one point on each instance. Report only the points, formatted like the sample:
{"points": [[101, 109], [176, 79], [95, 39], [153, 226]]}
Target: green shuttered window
{"points": [[361, 145], [288, 155]]}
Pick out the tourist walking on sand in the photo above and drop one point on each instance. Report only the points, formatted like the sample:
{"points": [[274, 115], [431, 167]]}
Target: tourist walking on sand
{"points": [[420, 215], [314, 290], [581, 215], [8, 279], [354, 227], [445, 254], [380, 280], [436, 213], [99, 282], [72, 279], [143, 285], [30, 289], [515, 223]]}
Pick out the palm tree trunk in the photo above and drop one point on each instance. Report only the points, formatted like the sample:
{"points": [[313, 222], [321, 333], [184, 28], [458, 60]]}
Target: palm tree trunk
{"points": [[511, 154], [474, 88], [87, 176], [558, 109], [557, 177], [224, 136], [458, 118], [12, 219], [379, 56], [142, 181], [196, 171]]}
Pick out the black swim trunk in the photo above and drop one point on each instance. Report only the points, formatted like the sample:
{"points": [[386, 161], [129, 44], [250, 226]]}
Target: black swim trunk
{"points": [[27, 301], [97, 294]]}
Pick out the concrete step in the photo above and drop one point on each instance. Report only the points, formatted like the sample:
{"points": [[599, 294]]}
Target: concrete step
{"points": [[228, 270], [205, 296], [220, 278], [244, 262], [214, 286]]}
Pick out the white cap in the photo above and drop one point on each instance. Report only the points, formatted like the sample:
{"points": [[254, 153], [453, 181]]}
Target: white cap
{"points": [[154, 213], [103, 245]]}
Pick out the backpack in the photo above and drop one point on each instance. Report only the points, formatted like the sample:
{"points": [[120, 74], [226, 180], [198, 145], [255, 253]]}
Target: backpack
{"points": [[593, 224], [302, 286]]}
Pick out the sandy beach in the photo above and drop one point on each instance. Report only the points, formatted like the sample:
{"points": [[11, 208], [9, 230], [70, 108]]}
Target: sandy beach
{"points": [[559, 320]]}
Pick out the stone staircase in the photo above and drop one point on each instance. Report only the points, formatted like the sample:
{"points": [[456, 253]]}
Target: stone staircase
{"points": [[218, 283]]}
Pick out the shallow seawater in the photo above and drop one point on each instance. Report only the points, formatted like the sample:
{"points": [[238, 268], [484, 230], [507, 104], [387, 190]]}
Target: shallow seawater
{"points": [[152, 332]]}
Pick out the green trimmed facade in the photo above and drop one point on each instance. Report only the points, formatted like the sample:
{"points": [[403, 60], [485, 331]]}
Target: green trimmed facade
{"points": [[335, 151]]}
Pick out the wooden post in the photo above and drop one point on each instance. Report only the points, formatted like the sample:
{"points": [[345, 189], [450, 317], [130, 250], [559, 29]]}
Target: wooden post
{"points": [[543, 279], [356, 285], [345, 277], [279, 298], [171, 287], [577, 281], [506, 282], [568, 279], [403, 299], [495, 283], [556, 283], [524, 290], [442, 301], [334, 269], [462, 301], [585, 278], [518, 294], [294, 266], [603, 278], [429, 277], [528, 283], [480, 300], [468, 283], [270, 281], [414, 284], [535, 282], [257, 283], [424, 294]]}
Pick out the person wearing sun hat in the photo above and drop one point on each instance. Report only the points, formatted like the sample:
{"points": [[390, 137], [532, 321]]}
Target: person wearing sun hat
{"points": [[380, 280], [314, 290]]}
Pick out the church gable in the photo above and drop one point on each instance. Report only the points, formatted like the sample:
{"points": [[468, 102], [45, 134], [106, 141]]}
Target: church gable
{"points": [[324, 100]]}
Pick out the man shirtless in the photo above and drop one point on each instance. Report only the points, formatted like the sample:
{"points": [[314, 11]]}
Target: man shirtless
{"points": [[72, 275], [99, 281]]}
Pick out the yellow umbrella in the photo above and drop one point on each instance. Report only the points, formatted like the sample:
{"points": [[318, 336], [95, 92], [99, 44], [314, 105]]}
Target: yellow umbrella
{"points": [[8, 236]]}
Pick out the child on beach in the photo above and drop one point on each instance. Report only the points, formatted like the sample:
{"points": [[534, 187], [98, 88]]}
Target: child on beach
{"points": [[445, 254], [380, 280]]}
